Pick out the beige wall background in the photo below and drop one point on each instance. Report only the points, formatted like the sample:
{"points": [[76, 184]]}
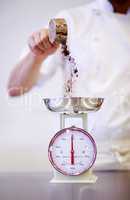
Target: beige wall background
{"points": [[25, 125]]}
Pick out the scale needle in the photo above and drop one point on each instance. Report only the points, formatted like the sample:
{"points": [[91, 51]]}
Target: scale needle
{"points": [[72, 150]]}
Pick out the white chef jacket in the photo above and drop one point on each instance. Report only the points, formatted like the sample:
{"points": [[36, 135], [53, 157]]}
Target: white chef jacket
{"points": [[99, 40]]}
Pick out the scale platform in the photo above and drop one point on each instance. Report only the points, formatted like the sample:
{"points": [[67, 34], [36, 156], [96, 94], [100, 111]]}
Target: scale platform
{"points": [[73, 105]]}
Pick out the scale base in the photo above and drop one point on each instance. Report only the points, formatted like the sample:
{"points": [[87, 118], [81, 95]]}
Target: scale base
{"points": [[87, 177]]}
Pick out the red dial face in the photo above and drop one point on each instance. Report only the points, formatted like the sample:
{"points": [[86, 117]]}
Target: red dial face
{"points": [[72, 151]]}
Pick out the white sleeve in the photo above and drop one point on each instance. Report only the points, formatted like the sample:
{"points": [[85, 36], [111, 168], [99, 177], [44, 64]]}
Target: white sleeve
{"points": [[51, 78]]}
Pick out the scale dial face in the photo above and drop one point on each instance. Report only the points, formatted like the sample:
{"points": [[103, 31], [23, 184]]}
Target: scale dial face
{"points": [[72, 151]]}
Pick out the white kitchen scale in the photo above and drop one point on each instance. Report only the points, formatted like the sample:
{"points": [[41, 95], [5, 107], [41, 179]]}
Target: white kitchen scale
{"points": [[72, 150]]}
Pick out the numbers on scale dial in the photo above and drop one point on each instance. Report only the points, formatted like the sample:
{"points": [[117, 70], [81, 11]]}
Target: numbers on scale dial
{"points": [[72, 151]]}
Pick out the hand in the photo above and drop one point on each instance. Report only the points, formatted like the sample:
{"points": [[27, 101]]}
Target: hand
{"points": [[40, 45]]}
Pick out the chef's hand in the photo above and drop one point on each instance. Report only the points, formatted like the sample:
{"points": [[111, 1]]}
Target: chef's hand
{"points": [[40, 45]]}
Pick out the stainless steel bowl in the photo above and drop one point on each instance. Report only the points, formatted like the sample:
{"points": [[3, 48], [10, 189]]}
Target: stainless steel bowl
{"points": [[73, 104]]}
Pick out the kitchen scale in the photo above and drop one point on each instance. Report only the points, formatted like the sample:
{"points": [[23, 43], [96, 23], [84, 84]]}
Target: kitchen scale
{"points": [[72, 150]]}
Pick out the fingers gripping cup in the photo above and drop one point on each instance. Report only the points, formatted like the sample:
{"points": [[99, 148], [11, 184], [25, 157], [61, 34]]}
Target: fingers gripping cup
{"points": [[58, 31]]}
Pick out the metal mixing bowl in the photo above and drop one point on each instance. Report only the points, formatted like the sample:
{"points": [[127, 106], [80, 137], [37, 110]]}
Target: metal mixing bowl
{"points": [[73, 104]]}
